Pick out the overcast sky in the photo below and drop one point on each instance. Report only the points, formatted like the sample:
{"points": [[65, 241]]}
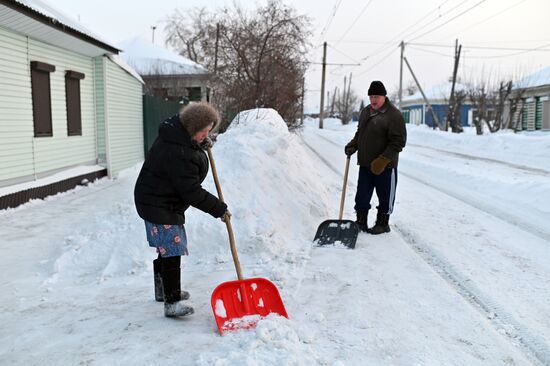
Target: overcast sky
{"points": [[368, 32]]}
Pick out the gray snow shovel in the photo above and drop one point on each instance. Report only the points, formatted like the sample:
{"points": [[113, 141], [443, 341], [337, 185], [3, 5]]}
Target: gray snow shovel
{"points": [[338, 231]]}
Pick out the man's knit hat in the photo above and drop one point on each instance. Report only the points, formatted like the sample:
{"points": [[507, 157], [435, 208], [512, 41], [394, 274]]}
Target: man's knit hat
{"points": [[377, 88]]}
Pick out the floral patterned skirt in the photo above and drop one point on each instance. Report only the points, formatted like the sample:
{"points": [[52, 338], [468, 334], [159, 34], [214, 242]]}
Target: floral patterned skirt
{"points": [[170, 240]]}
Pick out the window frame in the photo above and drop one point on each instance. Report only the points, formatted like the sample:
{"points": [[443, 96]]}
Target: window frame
{"points": [[41, 98], [73, 102]]}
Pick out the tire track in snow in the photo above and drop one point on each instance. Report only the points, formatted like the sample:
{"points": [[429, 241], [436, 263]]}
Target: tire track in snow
{"points": [[488, 209], [488, 160], [532, 346]]}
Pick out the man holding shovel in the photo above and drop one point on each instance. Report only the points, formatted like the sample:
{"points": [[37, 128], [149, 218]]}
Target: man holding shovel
{"points": [[168, 183], [380, 136]]}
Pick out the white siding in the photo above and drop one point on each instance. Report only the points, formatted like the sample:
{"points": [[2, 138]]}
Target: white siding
{"points": [[61, 150], [530, 116], [99, 81], [16, 124], [123, 119], [22, 156]]}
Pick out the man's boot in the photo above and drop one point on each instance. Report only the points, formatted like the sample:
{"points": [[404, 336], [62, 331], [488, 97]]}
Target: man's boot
{"points": [[381, 226], [171, 284], [361, 221]]}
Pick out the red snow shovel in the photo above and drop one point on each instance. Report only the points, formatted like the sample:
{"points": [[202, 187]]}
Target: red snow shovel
{"points": [[338, 231], [242, 303]]}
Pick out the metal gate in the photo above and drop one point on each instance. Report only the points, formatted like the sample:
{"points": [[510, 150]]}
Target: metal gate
{"points": [[156, 110]]}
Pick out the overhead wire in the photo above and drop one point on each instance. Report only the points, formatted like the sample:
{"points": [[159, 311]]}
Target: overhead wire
{"points": [[429, 51], [331, 17], [491, 17], [450, 20], [354, 21], [344, 54], [389, 44], [444, 14]]}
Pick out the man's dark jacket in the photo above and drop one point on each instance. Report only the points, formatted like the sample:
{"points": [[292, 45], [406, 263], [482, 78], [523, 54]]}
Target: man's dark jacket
{"points": [[379, 132], [171, 176]]}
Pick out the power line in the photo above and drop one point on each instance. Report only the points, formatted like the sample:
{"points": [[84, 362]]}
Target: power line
{"points": [[440, 16], [450, 20], [379, 62], [491, 17], [421, 19], [383, 48], [355, 21], [342, 53], [429, 51], [539, 48], [331, 17]]}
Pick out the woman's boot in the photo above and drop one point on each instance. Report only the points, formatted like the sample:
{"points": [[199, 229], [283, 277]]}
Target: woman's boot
{"points": [[159, 292], [171, 284]]}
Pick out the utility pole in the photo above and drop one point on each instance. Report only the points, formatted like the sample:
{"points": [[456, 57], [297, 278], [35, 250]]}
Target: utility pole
{"points": [[451, 116], [436, 120], [153, 27], [323, 85], [402, 45]]}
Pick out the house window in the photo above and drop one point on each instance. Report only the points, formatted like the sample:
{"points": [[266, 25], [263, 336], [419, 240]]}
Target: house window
{"points": [[41, 98], [72, 96]]}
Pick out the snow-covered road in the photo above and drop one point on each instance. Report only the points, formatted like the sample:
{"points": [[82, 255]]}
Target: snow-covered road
{"points": [[462, 279]]}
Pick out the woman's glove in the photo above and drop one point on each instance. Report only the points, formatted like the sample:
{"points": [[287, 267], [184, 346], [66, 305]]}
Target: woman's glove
{"points": [[226, 216], [379, 164], [206, 143]]}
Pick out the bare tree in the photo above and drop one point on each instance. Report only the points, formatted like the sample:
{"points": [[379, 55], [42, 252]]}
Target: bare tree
{"points": [[261, 56], [515, 109], [479, 97], [489, 104], [345, 102], [455, 108]]}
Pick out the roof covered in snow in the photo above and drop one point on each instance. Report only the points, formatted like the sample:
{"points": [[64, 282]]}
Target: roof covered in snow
{"points": [[440, 92], [539, 78], [40, 20], [150, 59]]}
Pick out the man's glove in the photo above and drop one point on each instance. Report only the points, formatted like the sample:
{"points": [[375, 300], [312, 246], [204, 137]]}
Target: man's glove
{"points": [[226, 216], [379, 164], [206, 143], [350, 150]]}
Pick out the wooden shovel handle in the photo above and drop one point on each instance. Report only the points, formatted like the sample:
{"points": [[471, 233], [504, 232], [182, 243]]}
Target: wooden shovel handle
{"points": [[227, 218], [344, 189]]}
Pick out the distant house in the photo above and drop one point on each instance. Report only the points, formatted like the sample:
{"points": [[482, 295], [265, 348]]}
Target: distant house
{"points": [[416, 111], [533, 101], [166, 74], [70, 108]]}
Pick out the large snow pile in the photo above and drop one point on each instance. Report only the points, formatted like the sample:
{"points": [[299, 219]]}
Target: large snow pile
{"points": [[266, 176]]}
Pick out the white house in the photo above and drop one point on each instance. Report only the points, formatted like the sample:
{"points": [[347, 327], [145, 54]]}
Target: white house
{"points": [[70, 108]]}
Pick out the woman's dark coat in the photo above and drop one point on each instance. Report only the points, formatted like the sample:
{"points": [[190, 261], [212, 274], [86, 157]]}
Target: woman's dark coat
{"points": [[171, 176]]}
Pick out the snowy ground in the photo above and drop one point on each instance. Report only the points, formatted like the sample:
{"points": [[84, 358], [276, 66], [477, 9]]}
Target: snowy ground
{"points": [[462, 279]]}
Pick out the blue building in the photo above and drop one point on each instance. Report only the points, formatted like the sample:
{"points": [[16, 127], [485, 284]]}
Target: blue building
{"points": [[416, 111]]}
